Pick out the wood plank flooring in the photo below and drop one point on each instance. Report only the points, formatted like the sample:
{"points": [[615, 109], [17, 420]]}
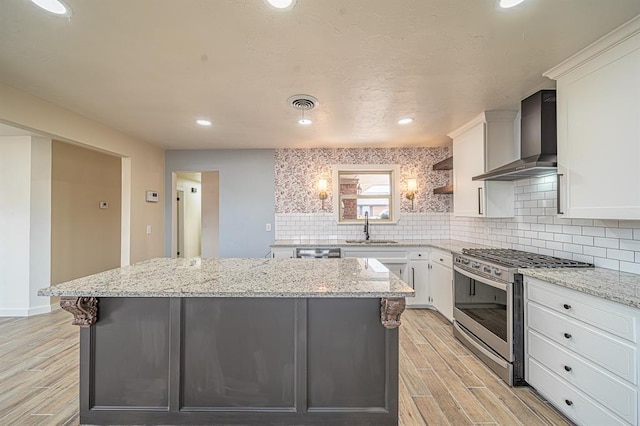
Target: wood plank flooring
{"points": [[441, 383]]}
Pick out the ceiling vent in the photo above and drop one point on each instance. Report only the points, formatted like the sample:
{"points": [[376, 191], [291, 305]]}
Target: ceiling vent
{"points": [[303, 102]]}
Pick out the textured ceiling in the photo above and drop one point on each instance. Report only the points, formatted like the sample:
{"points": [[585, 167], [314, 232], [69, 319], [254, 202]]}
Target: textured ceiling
{"points": [[151, 67]]}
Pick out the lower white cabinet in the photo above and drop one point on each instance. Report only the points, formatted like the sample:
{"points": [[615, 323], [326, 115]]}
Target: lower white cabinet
{"points": [[394, 259], [283, 252], [441, 282], [426, 269], [582, 354], [419, 278]]}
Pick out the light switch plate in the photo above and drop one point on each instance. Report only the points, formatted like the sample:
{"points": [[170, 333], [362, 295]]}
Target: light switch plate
{"points": [[268, 227], [148, 229]]}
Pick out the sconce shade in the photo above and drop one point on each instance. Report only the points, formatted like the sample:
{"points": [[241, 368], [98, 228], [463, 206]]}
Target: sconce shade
{"points": [[322, 185], [412, 185]]}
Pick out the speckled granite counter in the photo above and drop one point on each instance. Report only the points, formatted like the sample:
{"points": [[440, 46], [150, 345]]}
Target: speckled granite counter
{"points": [[454, 246], [612, 285], [164, 277]]}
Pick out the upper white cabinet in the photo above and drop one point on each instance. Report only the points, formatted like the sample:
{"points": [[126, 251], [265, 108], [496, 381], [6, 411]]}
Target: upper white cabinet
{"points": [[598, 101], [486, 142]]}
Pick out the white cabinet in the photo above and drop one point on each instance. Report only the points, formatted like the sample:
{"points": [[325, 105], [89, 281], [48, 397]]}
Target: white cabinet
{"points": [[598, 101], [484, 143], [441, 282], [283, 252], [419, 278], [582, 353], [394, 259]]}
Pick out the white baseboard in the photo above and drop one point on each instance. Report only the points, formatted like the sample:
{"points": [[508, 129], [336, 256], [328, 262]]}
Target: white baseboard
{"points": [[26, 312]]}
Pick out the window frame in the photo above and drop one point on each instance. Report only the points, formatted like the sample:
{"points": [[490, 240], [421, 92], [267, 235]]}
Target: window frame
{"points": [[394, 198]]}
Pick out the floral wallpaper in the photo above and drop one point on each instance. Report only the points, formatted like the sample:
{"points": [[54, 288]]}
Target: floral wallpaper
{"points": [[298, 171]]}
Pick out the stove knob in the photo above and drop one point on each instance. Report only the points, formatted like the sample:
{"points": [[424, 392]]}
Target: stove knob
{"points": [[464, 261], [497, 272], [486, 269], [475, 265]]}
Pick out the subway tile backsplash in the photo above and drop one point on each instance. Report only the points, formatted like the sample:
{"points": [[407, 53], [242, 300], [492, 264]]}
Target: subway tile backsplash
{"points": [[612, 244], [315, 226]]}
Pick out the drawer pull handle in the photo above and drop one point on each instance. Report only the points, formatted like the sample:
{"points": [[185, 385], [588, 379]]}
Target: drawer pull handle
{"points": [[568, 402], [567, 335], [567, 368], [566, 306]]}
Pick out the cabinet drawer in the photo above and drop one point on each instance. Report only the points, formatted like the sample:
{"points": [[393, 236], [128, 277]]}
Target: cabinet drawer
{"points": [[569, 400], [603, 387], [608, 352], [442, 257], [419, 254], [609, 316]]}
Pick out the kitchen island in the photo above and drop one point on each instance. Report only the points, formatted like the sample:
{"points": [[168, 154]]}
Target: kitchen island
{"points": [[238, 341]]}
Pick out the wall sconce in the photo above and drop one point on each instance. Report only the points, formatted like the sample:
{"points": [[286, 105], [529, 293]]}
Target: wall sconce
{"points": [[322, 190], [412, 186]]}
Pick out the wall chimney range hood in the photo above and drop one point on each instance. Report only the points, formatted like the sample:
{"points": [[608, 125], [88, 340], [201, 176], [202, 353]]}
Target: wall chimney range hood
{"points": [[538, 141]]}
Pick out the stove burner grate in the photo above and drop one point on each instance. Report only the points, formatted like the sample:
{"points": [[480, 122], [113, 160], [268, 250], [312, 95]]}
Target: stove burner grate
{"points": [[523, 259]]}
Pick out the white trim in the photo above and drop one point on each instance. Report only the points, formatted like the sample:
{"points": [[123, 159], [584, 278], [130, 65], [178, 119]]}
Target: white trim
{"points": [[609, 41], [394, 169], [125, 213], [483, 117], [25, 312]]}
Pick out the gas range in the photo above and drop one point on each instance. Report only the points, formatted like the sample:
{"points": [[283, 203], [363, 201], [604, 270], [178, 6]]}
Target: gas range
{"points": [[488, 312], [503, 264]]}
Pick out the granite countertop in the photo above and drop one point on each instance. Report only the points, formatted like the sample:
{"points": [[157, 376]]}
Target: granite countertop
{"points": [[195, 277], [453, 246], [621, 287]]}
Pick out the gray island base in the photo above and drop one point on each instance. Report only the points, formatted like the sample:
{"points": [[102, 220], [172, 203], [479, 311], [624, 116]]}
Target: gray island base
{"points": [[316, 353]]}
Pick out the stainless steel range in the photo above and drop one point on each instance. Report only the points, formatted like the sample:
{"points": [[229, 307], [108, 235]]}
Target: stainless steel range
{"points": [[489, 306]]}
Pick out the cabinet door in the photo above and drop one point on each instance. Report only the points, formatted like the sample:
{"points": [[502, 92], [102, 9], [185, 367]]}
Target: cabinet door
{"points": [[285, 253], [599, 135], [397, 268], [468, 161], [478, 198], [441, 280], [419, 280]]}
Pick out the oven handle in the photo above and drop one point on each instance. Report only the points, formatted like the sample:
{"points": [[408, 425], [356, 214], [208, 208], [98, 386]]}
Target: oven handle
{"points": [[500, 285]]}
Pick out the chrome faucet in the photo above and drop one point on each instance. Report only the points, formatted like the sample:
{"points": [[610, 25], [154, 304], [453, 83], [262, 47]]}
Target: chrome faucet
{"points": [[366, 225]]}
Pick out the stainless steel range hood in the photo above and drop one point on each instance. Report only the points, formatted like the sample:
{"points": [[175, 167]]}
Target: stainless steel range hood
{"points": [[538, 141]]}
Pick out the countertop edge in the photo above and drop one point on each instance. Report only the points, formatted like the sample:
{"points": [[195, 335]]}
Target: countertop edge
{"points": [[300, 295], [611, 283]]}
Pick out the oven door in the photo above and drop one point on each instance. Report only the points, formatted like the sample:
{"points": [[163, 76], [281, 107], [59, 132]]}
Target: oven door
{"points": [[485, 308]]}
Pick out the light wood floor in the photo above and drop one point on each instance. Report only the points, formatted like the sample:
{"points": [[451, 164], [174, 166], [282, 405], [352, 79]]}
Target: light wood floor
{"points": [[441, 383]]}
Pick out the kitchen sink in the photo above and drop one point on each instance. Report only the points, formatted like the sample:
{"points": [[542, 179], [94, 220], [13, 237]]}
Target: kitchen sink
{"points": [[371, 242]]}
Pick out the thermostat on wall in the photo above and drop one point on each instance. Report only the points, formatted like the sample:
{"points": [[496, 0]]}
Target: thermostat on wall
{"points": [[152, 196]]}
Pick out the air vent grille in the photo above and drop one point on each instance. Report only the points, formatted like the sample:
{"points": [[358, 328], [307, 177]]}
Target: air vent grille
{"points": [[303, 102]]}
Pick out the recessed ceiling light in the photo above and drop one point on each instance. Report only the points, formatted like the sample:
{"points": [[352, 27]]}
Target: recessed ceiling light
{"points": [[305, 121], [406, 120], [282, 4], [204, 122], [505, 4], [57, 7]]}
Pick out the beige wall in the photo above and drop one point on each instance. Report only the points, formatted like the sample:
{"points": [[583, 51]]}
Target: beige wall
{"points": [[85, 239], [147, 161]]}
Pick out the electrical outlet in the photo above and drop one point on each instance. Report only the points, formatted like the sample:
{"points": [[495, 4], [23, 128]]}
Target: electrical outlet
{"points": [[268, 227], [104, 205]]}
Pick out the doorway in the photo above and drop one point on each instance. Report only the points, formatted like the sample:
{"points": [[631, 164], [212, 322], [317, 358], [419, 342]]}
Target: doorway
{"points": [[196, 214]]}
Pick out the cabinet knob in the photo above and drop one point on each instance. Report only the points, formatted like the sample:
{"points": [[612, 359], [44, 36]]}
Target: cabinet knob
{"points": [[567, 368], [567, 335], [568, 402], [566, 306]]}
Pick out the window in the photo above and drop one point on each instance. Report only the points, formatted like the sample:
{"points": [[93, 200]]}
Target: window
{"points": [[366, 190]]}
